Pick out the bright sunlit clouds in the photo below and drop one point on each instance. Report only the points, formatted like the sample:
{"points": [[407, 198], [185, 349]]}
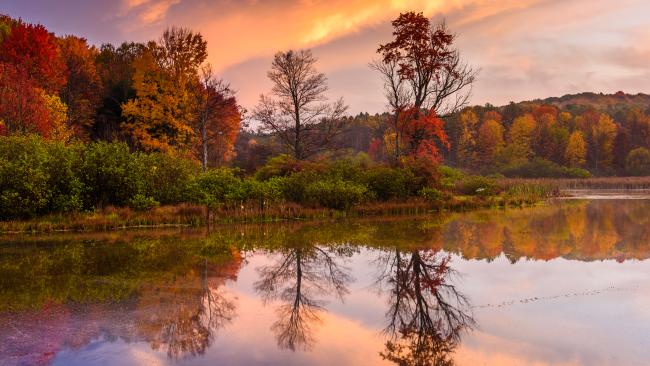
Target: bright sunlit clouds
{"points": [[525, 49]]}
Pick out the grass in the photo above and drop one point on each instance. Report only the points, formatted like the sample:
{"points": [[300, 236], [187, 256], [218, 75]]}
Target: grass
{"points": [[111, 218], [621, 183]]}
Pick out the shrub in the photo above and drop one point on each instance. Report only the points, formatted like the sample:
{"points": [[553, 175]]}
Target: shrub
{"points": [[295, 185], [431, 194], [638, 162], [449, 176], [67, 189], [214, 185], [278, 166], [336, 194], [476, 185], [140, 202], [111, 173], [541, 168], [166, 178], [425, 170], [349, 168], [389, 183], [266, 192], [24, 177]]}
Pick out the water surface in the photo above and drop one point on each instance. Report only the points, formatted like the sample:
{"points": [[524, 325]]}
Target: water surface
{"points": [[561, 284]]}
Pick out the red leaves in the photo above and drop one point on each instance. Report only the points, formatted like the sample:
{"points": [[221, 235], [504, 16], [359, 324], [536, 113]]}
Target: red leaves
{"points": [[30, 65], [417, 48], [424, 135], [34, 49], [21, 106]]}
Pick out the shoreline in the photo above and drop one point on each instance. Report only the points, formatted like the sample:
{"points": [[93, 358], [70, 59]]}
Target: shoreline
{"points": [[194, 216]]}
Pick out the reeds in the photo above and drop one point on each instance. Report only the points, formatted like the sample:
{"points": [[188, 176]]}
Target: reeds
{"points": [[558, 185]]}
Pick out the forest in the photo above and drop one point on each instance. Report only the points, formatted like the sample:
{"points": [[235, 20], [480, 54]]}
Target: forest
{"points": [[141, 125]]}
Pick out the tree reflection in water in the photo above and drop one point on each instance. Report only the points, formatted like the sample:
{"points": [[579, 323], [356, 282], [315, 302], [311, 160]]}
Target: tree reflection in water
{"points": [[183, 318], [426, 312], [298, 276]]}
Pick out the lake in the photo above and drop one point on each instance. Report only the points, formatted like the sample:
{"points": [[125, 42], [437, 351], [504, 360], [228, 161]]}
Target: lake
{"points": [[566, 283]]}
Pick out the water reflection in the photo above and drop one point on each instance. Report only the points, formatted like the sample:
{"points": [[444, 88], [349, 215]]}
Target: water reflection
{"points": [[427, 313], [182, 317], [180, 294], [299, 278], [159, 294]]}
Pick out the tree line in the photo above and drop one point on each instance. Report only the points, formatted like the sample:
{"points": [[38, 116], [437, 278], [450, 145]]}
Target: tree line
{"points": [[156, 96]]}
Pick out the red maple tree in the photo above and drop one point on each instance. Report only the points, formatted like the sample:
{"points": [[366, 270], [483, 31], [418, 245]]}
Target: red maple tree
{"points": [[32, 48]]}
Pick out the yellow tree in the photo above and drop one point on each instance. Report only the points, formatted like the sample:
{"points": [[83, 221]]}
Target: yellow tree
{"points": [[576, 150], [467, 139], [158, 118], [166, 77], [520, 135], [603, 134], [490, 141], [57, 112]]}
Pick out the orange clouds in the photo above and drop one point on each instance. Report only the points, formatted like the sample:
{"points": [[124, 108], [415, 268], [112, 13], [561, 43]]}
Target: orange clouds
{"points": [[148, 11], [257, 29]]}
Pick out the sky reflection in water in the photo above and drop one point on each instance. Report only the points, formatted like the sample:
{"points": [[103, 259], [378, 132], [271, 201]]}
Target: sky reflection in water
{"points": [[562, 284]]}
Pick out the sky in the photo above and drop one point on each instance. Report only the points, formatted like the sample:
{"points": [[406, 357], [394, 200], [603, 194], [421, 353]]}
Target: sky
{"points": [[525, 49]]}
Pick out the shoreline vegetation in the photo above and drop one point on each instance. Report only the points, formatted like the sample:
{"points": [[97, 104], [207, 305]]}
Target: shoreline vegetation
{"points": [[512, 193], [105, 186], [51, 186]]}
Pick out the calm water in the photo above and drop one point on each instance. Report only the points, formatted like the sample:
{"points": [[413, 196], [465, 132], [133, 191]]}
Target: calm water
{"points": [[563, 284]]}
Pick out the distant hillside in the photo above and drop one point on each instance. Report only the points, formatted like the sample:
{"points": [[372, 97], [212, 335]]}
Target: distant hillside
{"points": [[617, 101]]}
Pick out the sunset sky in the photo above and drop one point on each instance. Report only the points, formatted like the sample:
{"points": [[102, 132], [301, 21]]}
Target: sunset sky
{"points": [[525, 48]]}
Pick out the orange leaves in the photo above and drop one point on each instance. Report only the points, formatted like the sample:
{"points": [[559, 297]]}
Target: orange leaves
{"points": [[424, 135]]}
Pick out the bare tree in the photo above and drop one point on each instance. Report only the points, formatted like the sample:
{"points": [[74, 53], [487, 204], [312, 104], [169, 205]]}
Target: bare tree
{"points": [[398, 96], [297, 110], [450, 92], [300, 275]]}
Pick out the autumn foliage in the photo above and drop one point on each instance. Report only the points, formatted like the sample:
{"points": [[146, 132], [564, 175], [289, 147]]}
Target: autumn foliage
{"points": [[142, 93]]}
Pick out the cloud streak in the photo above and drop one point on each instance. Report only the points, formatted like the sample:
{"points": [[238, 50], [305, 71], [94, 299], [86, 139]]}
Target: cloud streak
{"points": [[148, 11]]}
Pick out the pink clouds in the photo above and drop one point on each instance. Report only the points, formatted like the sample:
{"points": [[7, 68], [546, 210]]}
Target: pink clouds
{"points": [[525, 48], [148, 11]]}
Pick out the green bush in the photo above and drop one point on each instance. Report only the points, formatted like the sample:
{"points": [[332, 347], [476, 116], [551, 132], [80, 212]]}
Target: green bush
{"points": [[349, 168], [476, 186], [166, 178], [24, 177], [638, 162], [215, 185], [266, 192], [112, 174], [140, 202], [278, 166], [431, 194], [336, 194], [541, 168], [68, 191], [449, 176], [392, 183], [295, 185]]}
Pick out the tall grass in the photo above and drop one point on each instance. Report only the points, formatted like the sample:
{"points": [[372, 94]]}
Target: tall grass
{"points": [[557, 185]]}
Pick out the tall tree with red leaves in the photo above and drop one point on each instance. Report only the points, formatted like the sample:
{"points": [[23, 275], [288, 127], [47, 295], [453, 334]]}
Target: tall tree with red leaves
{"points": [[22, 108], [34, 49]]}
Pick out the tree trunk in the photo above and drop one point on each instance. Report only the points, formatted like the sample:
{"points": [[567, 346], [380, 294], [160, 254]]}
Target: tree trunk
{"points": [[204, 146]]}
